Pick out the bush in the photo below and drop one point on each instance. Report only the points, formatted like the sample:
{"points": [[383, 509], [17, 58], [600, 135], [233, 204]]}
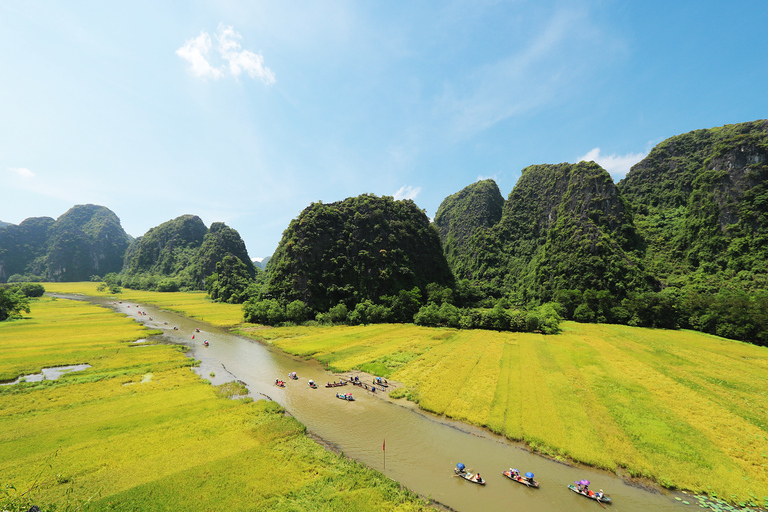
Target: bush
{"points": [[168, 285], [33, 289]]}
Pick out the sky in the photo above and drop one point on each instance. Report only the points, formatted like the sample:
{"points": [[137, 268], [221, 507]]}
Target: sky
{"points": [[248, 112]]}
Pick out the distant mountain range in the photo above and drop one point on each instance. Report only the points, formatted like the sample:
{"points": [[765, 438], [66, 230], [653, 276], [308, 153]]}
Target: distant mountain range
{"points": [[692, 216]]}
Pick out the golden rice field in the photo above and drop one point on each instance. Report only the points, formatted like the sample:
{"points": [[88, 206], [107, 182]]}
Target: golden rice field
{"points": [[195, 305], [684, 409], [140, 431]]}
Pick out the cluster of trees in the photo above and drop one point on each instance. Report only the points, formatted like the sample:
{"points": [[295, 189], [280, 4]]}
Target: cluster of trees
{"points": [[14, 299], [732, 312], [435, 307]]}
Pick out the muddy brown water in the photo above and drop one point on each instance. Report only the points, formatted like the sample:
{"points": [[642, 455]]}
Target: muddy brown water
{"points": [[421, 449]]}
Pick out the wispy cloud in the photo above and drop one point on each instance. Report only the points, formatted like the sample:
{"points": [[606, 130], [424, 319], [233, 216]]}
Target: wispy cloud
{"points": [[23, 172], [407, 192], [234, 60], [196, 51], [538, 71], [617, 165]]}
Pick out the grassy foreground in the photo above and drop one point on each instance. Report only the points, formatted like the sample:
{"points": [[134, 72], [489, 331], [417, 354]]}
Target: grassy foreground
{"points": [[685, 409], [140, 431]]}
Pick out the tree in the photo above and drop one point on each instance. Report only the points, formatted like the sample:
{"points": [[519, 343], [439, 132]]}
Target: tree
{"points": [[297, 311], [12, 302]]}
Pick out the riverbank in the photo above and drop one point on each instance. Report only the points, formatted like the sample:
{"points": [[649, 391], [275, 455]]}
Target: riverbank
{"points": [[676, 408], [138, 429]]}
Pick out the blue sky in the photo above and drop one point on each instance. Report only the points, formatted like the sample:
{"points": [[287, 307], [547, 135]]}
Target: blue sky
{"points": [[246, 112]]}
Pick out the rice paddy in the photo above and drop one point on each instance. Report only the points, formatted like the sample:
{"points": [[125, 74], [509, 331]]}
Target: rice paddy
{"points": [[681, 408], [139, 431], [195, 305]]}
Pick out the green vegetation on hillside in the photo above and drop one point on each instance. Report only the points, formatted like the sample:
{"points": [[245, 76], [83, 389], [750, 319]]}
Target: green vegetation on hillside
{"points": [[475, 207], [183, 254], [87, 240], [362, 248]]}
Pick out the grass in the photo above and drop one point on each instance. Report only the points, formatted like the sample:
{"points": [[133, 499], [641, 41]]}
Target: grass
{"points": [[140, 431], [684, 409], [195, 305]]}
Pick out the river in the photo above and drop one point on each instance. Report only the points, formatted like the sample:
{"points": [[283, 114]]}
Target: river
{"points": [[421, 449]]}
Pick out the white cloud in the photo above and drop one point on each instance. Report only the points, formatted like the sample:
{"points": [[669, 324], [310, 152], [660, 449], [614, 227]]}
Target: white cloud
{"points": [[617, 165], [234, 60], [196, 52], [22, 172], [242, 60], [407, 192]]}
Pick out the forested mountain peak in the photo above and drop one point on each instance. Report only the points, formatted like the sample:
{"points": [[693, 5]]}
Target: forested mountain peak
{"points": [[21, 244], [168, 248], [702, 204], [665, 178], [86, 240], [360, 248], [563, 226], [476, 206]]}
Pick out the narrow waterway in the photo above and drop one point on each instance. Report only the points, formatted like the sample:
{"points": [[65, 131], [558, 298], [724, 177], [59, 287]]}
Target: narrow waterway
{"points": [[421, 450]]}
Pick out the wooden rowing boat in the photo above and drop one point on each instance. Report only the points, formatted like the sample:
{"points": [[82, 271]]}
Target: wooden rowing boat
{"points": [[348, 397], [520, 479], [591, 495], [469, 477], [335, 384]]}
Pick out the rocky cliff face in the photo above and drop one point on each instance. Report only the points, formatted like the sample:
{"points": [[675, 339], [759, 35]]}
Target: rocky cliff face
{"points": [[166, 249], [563, 226], [184, 249], [21, 245], [702, 199], [87, 240], [476, 207]]}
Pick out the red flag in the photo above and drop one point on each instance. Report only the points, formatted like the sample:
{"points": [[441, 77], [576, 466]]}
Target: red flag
{"points": [[384, 445]]}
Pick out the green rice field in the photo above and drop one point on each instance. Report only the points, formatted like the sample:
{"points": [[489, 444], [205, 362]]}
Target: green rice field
{"points": [[138, 430], [195, 305], [683, 409]]}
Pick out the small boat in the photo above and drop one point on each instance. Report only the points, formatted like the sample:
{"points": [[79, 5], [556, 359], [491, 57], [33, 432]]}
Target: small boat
{"points": [[597, 496], [378, 381], [197, 329], [280, 383], [205, 343], [293, 376], [469, 477], [528, 480], [312, 384], [335, 384], [345, 396]]}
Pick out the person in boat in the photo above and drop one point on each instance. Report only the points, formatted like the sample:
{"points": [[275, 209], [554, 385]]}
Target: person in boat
{"points": [[530, 480], [477, 478], [599, 494]]}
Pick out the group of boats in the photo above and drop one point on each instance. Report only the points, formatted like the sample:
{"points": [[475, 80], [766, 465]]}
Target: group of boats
{"points": [[579, 487], [378, 381]]}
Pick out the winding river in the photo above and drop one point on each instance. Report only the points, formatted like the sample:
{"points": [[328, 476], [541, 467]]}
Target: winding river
{"points": [[421, 449]]}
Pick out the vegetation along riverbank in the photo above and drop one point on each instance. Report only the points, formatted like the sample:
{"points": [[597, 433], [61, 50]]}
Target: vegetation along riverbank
{"points": [[684, 409], [140, 431]]}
